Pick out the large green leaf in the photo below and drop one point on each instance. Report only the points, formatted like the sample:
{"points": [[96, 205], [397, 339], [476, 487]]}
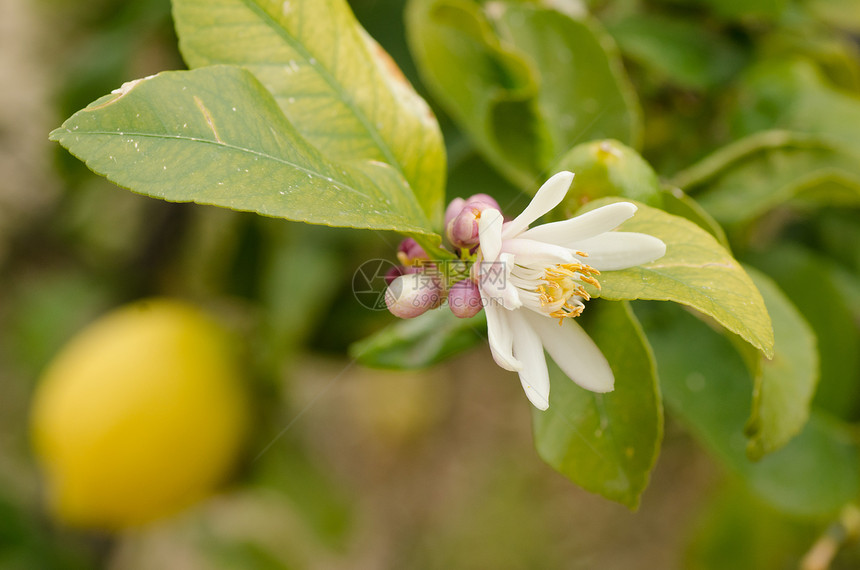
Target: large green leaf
{"points": [[706, 385], [814, 159], [606, 443], [696, 271], [682, 50], [216, 136], [827, 309], [334, 83], [742, 181], [420, 342], [526, 81], [793, 94], [784, 385]]}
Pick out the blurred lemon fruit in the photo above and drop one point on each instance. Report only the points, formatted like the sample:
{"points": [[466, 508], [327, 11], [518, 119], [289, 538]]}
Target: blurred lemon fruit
{"points": [[141, 414]]}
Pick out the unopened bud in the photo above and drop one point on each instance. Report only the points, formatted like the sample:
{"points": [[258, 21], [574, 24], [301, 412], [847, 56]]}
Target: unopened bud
{"points": [[462, 226], [463, 229], [393, 274], [409, 251], [411, 295], [464, 299], [482, 202], [453, 209]]}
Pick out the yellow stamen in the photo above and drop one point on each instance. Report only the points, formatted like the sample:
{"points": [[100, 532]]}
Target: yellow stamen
{"points": [[563, 281]]}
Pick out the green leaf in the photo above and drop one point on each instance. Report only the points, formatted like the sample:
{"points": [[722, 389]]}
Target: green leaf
{"points": [[784, 385], [696, 271], [420, 342], [812, 281], [793, 94], [216, 136], [707, 386], [606, 443], [335, 84], [608, 168], [678, 203], [683, 50], [527, 82], [744, 180], [817, 161]]}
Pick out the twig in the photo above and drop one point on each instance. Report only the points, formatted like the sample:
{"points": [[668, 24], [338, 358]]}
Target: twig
{"points": [[845, 529]]}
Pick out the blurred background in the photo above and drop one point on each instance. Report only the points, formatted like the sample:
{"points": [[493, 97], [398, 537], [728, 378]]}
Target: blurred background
{"points": [[344, 466]]}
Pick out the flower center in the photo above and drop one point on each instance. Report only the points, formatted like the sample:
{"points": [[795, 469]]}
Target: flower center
{"points": [[563, 282]]}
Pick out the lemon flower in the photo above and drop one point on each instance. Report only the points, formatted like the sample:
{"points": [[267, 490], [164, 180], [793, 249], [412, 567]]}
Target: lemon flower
{"points": [[531, 283]]}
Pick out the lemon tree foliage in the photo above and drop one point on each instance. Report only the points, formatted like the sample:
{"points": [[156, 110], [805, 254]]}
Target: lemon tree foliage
{"points": [[707, 386], [783, 385], [216, 136], [769, 169], [419, 342], [526, 81], [337, 87], [829, 313], [606, 443], [686, 54], [696, 271]]}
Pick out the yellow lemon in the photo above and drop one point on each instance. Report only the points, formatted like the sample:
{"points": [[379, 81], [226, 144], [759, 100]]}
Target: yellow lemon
{"points": [[141, 414]]}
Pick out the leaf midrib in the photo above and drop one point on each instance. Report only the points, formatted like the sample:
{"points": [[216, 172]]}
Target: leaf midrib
{"points": [[227, 146]]}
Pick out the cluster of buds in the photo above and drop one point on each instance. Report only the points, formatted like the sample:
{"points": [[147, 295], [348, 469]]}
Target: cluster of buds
{"points": [[418, 285]]}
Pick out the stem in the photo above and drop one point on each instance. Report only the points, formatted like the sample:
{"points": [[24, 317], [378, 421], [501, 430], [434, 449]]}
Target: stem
{"points": [[845, 529]]}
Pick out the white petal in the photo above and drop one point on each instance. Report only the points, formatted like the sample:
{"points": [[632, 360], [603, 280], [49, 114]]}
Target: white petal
{"points": [[528, 349], [548, 197], [490, 233], [582, 227], [496, 284], [501, 337], [620, 250], [527, 250], [511, 297], [574, 352]]}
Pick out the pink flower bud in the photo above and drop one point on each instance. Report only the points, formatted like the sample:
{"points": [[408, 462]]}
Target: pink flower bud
{"points": [[463, 229], [464, 299], [461, 226], [453, 209], [408, 252], [393, 274], [411, 295], [482, 202]]}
